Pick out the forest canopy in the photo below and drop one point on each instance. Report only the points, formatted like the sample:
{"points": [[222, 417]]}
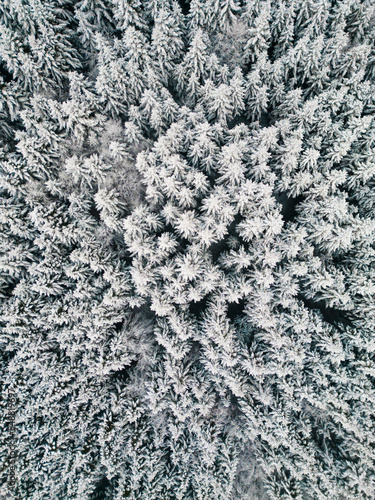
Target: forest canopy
{"points": [[187, 265]]}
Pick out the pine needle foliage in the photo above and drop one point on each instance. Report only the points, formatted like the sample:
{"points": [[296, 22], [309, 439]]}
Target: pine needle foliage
{"points": [[187, 283]]}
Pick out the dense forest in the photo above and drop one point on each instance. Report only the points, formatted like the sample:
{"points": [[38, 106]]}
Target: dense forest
{"points": [[187, 265]]}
